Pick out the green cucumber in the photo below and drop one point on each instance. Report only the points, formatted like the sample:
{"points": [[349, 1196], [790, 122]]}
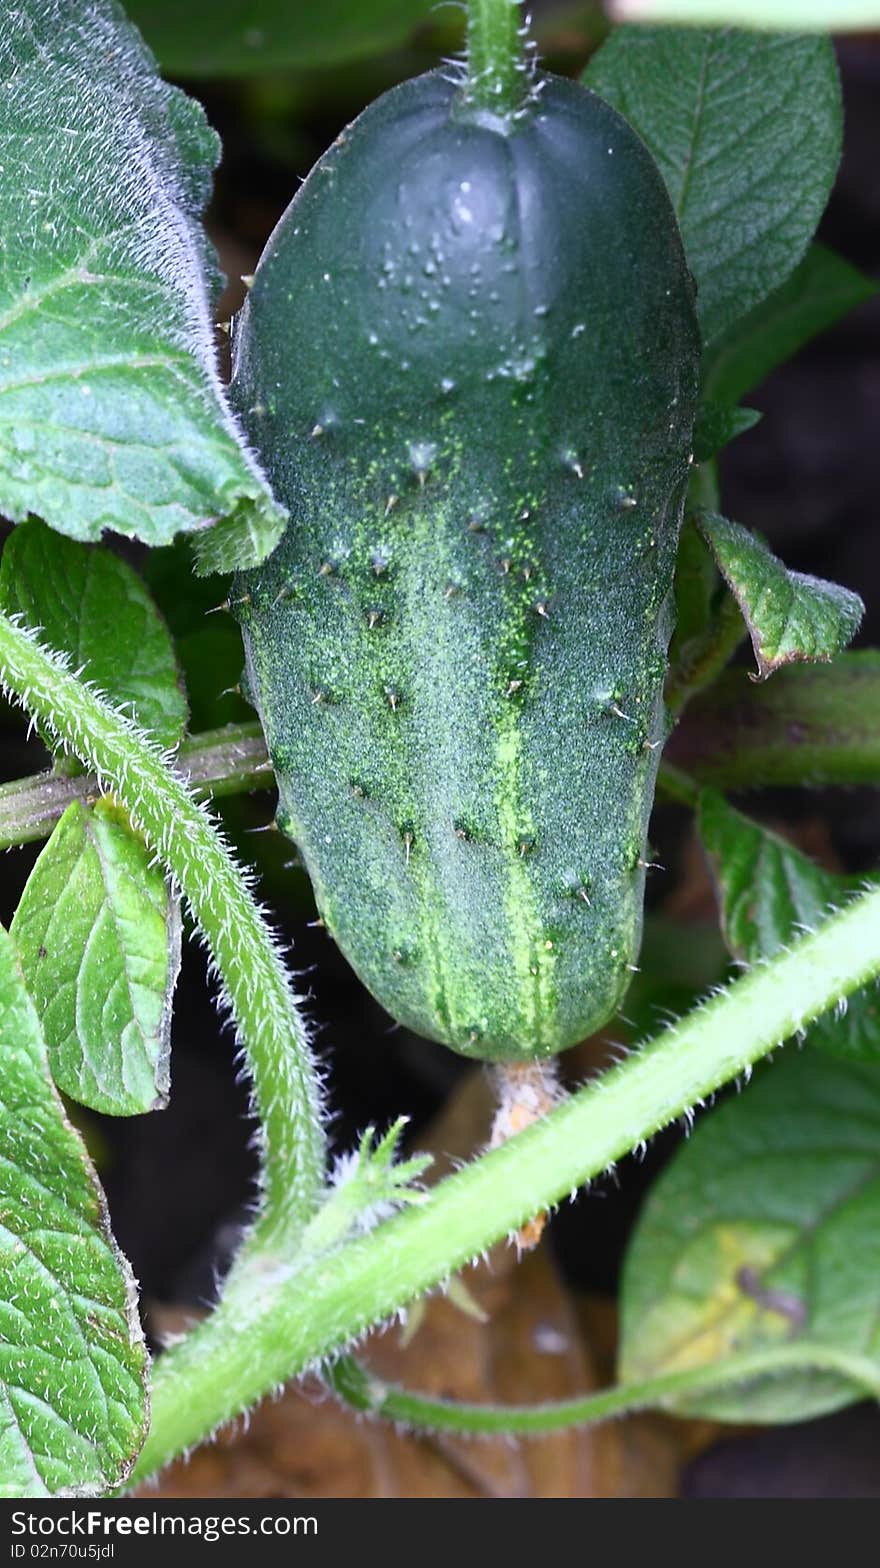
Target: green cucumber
{"points": [[468, 362]]}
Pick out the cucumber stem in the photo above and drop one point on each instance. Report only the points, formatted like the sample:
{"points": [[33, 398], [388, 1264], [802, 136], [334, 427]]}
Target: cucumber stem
{"points": [[497, 63], [363, 1391], [254, 978], [274, 1325]]}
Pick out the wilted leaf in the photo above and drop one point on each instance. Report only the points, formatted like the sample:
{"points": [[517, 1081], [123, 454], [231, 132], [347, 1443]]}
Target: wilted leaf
{"points": [[764, 1232]]}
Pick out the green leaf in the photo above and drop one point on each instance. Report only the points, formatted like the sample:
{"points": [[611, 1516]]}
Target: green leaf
{"points": [[236, 543], [822, 289], [717, 425], [746, 130], [112, 414], [230, 37], [98, 936], [791, 618], [73, 1408], [206, 638], [92, 605], [796, 14], [763, 1232], [769, 894]]}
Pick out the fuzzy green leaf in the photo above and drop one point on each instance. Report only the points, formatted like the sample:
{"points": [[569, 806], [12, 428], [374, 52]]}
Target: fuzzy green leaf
{"points": [[112, 414], [769, 894], [92, 605], [822, 289], [765, 1231], [794, 14], [231, 37], [72, 1358], [236, 543], [791, 618], [98, 936], [746, 130]]}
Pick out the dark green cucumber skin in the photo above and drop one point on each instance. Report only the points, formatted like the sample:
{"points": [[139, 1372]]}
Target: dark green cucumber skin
{"points": [[469, 361]]}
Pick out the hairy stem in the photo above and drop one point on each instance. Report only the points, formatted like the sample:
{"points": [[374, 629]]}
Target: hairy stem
{"points": [[497, 72], [257, 1339], [219, 762], [364, 1392], [253, 976]]}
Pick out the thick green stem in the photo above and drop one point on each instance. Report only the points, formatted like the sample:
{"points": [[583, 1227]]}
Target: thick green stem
{"points": [[497, 68], [253, 975], [708, 657], [217, 762], [672, 784], [703, 489], [259, 1338], [810, 724], [360, 1389]]}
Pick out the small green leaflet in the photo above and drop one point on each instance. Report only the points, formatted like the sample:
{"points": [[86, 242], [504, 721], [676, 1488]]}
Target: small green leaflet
{"points": [[98, 936], [746, 130], [717, 425], [764, 1233], [796, 14], [112, 414], [241, 540], [92, 605], [233, 37], [791, 618], [73, 1406], [769, 894], [371, 1183], [822, 289]]}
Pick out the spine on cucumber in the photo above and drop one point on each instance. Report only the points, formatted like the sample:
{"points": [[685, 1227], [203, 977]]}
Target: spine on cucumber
{"points": [[468, 361]]}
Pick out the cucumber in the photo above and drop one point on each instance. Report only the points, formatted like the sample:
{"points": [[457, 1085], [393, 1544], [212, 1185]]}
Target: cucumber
{"points": [[468, 361]]}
